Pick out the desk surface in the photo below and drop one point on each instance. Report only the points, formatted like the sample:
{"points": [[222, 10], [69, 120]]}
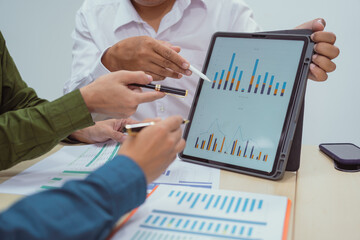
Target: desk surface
{"points": [[324, 200]]}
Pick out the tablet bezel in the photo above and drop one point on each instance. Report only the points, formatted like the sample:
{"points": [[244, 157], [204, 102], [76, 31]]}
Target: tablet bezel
{"points": [[292, 112]]}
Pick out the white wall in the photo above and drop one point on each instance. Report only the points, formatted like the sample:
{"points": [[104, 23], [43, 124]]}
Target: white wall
{"points": [[332, 112], [38, 36]]}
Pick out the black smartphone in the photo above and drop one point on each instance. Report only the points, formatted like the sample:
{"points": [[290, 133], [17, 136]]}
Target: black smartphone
{"points": [[346, 156]]}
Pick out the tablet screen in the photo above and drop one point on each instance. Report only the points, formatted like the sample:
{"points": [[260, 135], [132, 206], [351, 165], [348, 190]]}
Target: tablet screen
{"points": [[239, 117]]}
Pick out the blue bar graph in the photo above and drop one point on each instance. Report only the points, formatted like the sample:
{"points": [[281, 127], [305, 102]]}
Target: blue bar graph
{"points": [[237, 205], [217, 201], [230, 204], [201, 226], [178, 223], [192, 194], [223, 203], [186, 223], [163, 221], [204, 198], [252, 205], [197, 197], [245, 204], [182, 198], [209, 202]]}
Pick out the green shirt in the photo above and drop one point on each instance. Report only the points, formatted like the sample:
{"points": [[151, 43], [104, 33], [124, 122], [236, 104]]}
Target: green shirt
{"points": [[31, 126]]}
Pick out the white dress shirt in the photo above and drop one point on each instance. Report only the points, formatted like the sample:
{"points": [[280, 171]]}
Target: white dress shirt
{"points": [[190, 25]]}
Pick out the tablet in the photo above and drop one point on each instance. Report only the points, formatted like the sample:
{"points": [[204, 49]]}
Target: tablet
{"points": [[245, 119]]}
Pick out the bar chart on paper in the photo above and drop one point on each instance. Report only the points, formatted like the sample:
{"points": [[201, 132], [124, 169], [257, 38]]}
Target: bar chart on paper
{"points": [[185, 213], [181, 173], [69, 163], [93, 157], [77, 162]]}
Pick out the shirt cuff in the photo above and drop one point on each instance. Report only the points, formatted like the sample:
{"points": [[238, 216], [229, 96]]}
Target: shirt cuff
{"points": [[99, 68]]}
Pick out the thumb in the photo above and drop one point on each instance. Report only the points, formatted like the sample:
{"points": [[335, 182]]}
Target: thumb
{"points": [[315, 25], [118, 136], [127, 77]]}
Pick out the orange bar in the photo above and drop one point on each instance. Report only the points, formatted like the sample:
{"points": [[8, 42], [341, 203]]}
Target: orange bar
{"points": [[259, 156], [252, 79], [237, 86], [222, 145], [215, 147], [275, 91], [239, 153], [282, 91], [232, 81], [203, 144], [266, 158], [227, 76], [197, 145], [212, 135]]}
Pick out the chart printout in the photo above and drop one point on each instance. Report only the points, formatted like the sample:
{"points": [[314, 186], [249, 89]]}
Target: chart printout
{"points": [[193, 213], [77, 162], [240, 115]]}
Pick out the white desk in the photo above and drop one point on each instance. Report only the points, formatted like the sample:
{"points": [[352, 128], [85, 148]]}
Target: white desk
{"points": [[324, 200]]}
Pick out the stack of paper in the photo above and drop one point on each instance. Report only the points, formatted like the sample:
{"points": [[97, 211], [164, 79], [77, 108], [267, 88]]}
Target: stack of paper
{"points": [[193, 213]]}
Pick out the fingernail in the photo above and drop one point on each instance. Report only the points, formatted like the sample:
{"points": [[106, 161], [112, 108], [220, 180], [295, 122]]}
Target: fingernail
{"points": [[185, 65], [180, 75], [321, 21], [312, 66], [149, 77], [314, 56], [188, 72], [312, 36]]}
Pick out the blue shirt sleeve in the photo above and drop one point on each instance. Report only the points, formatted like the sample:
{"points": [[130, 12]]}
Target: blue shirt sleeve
{"points": [[85, 209]]}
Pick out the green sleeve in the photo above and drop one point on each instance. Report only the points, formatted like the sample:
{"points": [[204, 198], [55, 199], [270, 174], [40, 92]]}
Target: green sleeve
{"points": [[31, 126]]}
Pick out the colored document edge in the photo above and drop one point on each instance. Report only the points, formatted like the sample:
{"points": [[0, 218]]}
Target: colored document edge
{"points": [[287, 220], [116, 229]]}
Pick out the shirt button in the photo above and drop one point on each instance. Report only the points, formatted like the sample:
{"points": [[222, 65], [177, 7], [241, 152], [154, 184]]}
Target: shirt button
{"points": [[162, 109]]}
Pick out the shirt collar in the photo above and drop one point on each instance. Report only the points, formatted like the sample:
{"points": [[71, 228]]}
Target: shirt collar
{"points": [[126, 12]]}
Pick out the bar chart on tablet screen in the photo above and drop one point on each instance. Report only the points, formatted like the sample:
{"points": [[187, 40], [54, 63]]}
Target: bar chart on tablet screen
{"points": [[240, 115]]}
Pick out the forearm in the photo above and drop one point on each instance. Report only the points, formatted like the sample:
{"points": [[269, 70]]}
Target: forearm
{"points": [[30, 132], [80, 209]]}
